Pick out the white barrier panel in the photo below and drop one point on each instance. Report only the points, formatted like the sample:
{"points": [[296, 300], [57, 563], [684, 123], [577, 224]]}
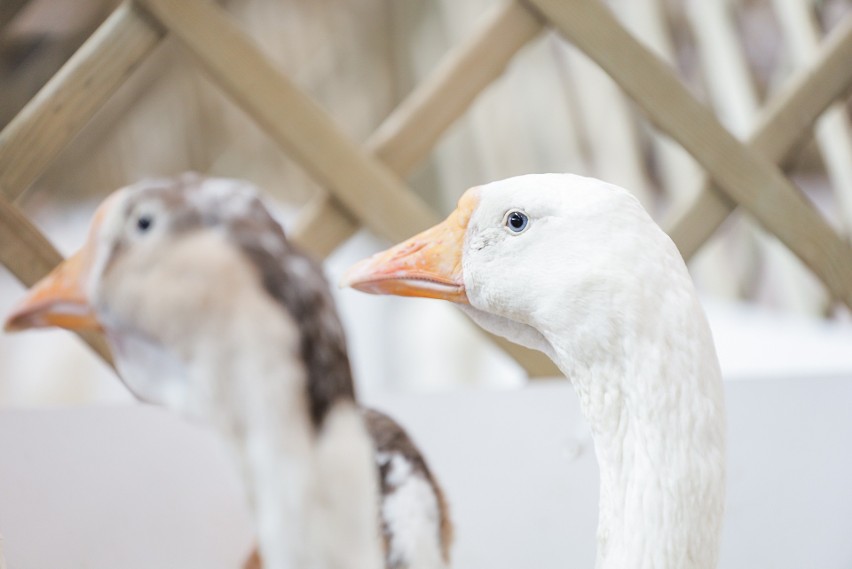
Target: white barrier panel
{"points": [[134, 487]]}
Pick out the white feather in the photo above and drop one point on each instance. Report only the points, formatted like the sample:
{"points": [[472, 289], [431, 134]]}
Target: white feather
{"points": [[412, 515]]}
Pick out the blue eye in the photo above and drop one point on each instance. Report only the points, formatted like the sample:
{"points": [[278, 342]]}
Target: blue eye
{"points": [[517, 221]]}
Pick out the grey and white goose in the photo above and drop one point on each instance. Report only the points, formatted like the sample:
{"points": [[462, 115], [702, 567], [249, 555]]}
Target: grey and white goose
{"points": [[211, 312]]}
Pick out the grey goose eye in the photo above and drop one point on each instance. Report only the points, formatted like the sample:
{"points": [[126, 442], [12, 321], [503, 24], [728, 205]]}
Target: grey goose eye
{"points": [[144, 222], [516, 221]]}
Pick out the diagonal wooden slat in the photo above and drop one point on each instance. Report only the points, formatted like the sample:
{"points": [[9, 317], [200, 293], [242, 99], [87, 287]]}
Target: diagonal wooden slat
{"points": [[322, 225], [50, 121], [746, 177], [362, 184], [294, 120], [802, 33], [410, 132], [26, 252], [783, 125], [72, 97]]}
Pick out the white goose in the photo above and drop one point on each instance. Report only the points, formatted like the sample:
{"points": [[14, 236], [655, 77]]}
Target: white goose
{"points": [[574, 267], [211, 312]]}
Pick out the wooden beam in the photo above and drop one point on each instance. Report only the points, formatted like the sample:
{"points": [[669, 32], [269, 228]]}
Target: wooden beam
{"points": [[46, 58], [72, 97], [410, 132], [367, 188], [832, 132], [746, 177], [721, 57], [26, 252], [783, 126], [363, 185], [676, 170], [50, 121], [322, 225]]}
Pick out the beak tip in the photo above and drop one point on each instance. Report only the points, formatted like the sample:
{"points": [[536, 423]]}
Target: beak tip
{"points": [[14, 323], [353, 275], [345, 281], [21, 319], [23, 316]]}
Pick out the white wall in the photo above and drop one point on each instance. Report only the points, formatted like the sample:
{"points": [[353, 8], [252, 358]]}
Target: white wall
{"points": [[135, 487]]}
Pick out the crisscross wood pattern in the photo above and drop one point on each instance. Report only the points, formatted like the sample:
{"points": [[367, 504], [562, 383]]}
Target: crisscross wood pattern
{"points": [[364, 185]]}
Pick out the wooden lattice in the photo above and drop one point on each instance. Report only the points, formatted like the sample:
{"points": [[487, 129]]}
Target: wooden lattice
{"points": [[364, 184]]}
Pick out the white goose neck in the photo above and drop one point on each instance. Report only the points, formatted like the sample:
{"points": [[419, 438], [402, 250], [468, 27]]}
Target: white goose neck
{"points": [[650, 389]]}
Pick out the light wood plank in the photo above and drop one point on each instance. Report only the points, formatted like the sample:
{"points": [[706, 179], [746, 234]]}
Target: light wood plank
{"points": [[72, 97], [374, 194], [724, 65], [26, 252], [410, 132], [832, 132], [746, 177], [322, 225], [782, 127], [648, 20], [368, 189], [734, 99], [40, 66]]}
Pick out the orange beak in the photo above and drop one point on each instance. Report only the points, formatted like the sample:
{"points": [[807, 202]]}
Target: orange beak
{"points": [[428, 265], [57, 300]]}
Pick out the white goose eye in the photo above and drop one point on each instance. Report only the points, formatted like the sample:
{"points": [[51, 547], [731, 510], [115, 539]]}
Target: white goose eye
{"points": [[516, 221]]}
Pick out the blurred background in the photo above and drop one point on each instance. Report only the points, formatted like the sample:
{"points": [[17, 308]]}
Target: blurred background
{"points": [[784, 345], [552, 111]]}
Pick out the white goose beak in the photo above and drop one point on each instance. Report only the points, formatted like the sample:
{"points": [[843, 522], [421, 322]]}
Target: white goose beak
{"points": [[427, 265]]}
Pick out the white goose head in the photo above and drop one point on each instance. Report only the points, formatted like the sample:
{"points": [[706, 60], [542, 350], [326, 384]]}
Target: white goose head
{"points": [[576, 268], [534, 258]]}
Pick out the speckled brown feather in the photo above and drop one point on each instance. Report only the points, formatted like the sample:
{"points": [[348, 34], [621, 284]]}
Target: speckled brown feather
{"points": [[297, 284], [389, 437], [323, 345]]}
